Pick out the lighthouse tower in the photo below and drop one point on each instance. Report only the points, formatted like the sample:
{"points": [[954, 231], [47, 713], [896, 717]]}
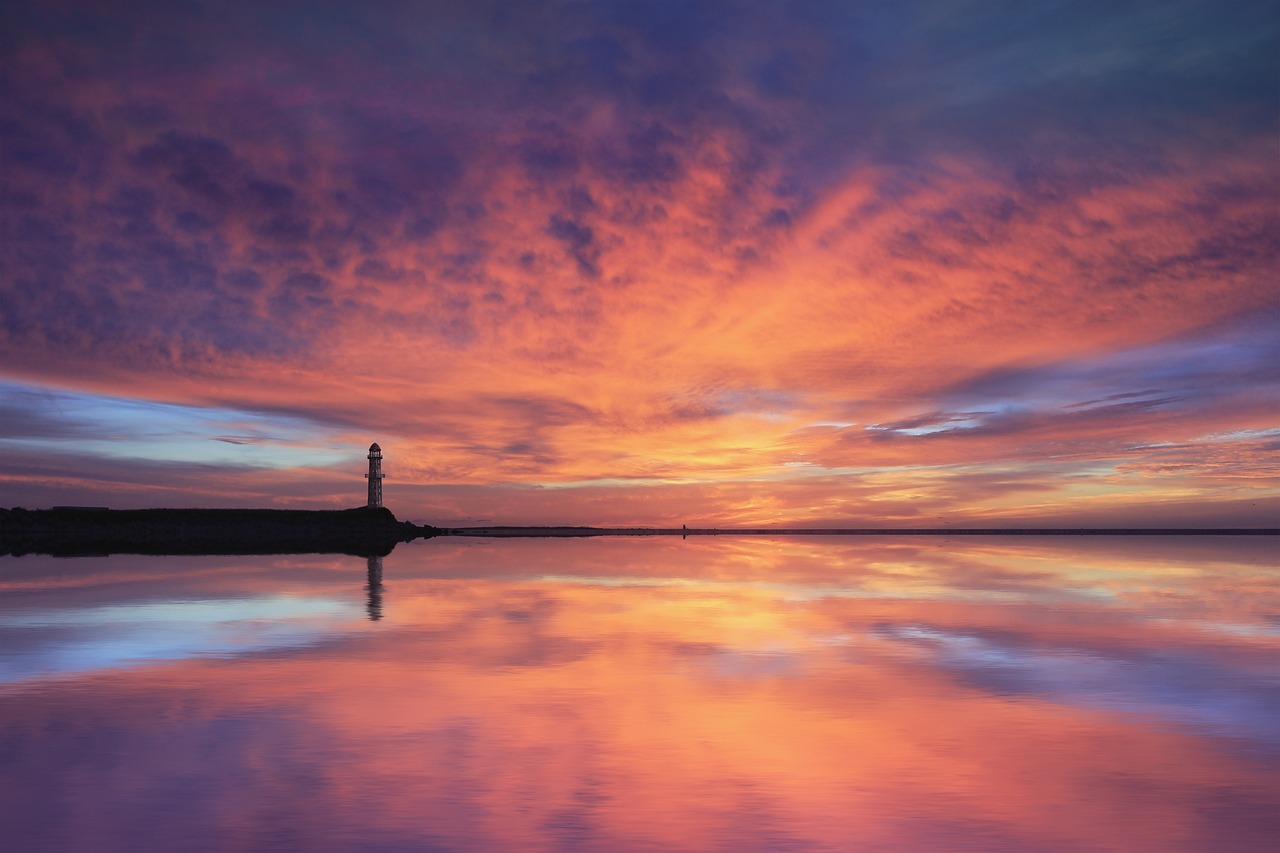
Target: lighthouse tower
{"points": [[375, 475]]}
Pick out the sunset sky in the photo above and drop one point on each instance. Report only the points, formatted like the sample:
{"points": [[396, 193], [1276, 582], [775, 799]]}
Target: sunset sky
{"points": [[805, 263]]}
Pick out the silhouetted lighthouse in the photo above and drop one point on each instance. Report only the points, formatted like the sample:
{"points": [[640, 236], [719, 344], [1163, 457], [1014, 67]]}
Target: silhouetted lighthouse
{"points": [[375, 475]]}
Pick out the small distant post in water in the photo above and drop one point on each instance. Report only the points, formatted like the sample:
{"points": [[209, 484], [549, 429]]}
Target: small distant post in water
{"points": [[375, 475]]}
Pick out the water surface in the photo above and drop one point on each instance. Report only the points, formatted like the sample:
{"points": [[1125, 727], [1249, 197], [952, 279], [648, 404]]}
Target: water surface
{"points": [[648, 695]]}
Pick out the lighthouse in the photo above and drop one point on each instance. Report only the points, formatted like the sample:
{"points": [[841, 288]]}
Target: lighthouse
{"points": [[375, 475]]}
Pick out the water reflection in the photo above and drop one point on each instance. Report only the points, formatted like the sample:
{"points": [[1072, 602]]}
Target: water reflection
{"points": [[653, 694], [59, 641], [374, 588], [1234, 699]]}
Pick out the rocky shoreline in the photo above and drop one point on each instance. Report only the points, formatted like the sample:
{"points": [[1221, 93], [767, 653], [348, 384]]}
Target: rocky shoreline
{"points": [[72, 531]]}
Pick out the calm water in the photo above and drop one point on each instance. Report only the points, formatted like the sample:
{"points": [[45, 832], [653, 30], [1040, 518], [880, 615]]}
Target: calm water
{"points": [[648, 695]]}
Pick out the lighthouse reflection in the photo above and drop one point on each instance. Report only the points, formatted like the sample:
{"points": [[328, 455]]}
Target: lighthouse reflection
{"points": [[374, 589]]}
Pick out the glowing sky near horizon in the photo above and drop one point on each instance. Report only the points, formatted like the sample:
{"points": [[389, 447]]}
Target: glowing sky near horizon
{"points": [[645, 262]]}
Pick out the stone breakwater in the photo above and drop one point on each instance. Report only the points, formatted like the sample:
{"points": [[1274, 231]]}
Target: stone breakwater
{"points": [[363, 531]]}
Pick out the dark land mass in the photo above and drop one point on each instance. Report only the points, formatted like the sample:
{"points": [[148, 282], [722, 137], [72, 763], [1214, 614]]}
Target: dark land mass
{"points": [[511, 532], [78, 531], [374, 532]]}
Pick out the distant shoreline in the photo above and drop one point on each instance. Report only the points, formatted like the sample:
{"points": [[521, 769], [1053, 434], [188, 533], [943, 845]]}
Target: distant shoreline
{"points": [[506, 532]]}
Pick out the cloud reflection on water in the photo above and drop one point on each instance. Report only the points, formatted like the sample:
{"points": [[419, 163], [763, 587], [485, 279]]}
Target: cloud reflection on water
{"points": [[1178, 687], [83, 639], [638, 695]]}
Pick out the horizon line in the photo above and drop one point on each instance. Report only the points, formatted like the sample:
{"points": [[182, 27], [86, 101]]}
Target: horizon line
{"points": [[548, 531]]}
